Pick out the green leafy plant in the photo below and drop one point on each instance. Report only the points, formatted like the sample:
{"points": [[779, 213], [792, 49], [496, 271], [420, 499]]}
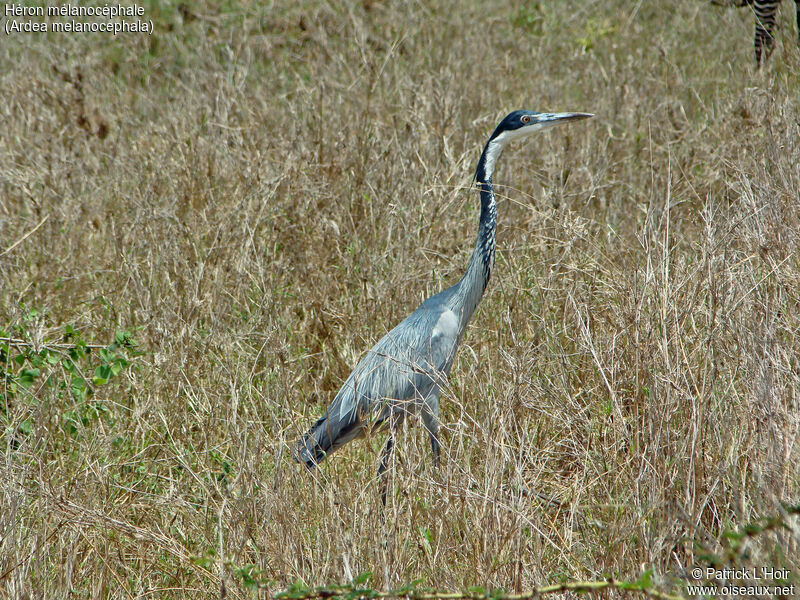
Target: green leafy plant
{"points": [[358, 589], [594, 31], [71, 369]]}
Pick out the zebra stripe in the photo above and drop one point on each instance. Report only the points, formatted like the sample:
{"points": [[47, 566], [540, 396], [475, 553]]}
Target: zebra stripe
{"points": [[765, 13]]}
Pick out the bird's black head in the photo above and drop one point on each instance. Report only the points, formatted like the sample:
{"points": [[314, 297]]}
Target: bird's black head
{"points": [[523, 122], [516, 125]]}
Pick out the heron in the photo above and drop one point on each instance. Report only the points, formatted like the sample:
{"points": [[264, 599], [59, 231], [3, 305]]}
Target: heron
{"points": [[406, 370]]}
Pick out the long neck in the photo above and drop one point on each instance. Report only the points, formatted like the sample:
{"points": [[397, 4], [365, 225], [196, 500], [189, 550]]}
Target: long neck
{"points": [[472, 285]]}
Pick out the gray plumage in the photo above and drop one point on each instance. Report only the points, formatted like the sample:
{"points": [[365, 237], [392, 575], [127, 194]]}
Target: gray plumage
{"points": [[408, 367]]}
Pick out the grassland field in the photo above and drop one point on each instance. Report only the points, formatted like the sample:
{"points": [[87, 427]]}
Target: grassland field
{"points": [[255, 193]]}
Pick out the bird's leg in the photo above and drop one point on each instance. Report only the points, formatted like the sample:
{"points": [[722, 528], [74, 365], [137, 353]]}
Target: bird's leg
{"points": [[430, 418], [387, 455]]}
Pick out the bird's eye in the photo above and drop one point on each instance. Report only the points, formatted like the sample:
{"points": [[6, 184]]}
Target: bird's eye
{"points": [[526, 119]]}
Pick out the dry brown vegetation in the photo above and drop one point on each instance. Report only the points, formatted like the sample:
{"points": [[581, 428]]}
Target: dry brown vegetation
{"points": [[257, 194]]}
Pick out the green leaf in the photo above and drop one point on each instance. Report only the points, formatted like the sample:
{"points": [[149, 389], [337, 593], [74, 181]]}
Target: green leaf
{"points": [[124, 339], [27, 377], [78, 387], [206, 562], [249, 575], [69, 423], [643, 583], [408, 588], [297, 590], [103, 372]]}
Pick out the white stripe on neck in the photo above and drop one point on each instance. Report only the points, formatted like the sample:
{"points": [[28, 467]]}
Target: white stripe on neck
{"points": [[497, 145]]}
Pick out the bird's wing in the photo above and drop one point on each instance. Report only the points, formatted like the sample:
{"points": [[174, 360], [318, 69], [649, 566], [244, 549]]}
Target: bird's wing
{"points": [[403, 366]]}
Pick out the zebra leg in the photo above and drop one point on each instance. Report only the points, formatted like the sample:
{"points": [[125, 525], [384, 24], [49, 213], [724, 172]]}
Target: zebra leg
{"points": [[765, 11], [797, 8], [763, 43]]}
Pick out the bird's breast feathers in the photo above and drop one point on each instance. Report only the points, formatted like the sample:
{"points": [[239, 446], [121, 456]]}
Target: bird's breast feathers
{"points": [[446, 326]]}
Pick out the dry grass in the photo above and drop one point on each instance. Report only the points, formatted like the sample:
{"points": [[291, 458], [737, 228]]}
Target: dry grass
{"points": [[260, 193]]}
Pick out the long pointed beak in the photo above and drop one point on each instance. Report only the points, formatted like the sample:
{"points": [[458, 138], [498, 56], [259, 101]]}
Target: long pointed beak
{"points": [[548, 120], [569, 116]]}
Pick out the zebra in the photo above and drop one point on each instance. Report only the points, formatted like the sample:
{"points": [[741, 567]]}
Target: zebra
{"points": [[765, 12]]}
